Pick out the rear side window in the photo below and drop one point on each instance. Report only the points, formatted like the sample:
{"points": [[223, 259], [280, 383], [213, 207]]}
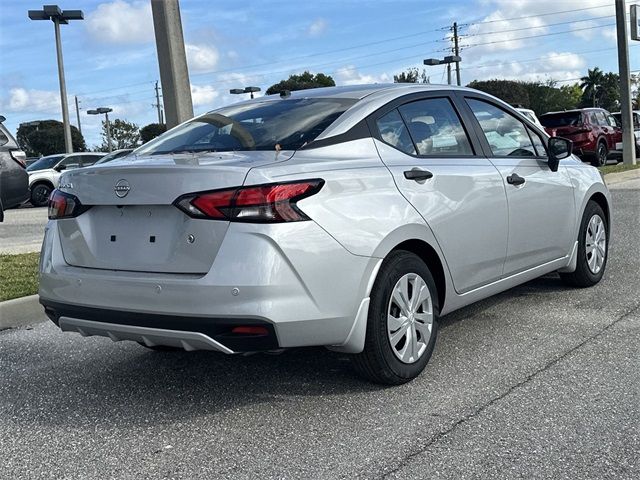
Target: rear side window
{"points": [[436, 128], [506, 135], [3, 138], [602, 120], [88, 160], [394, 132]]}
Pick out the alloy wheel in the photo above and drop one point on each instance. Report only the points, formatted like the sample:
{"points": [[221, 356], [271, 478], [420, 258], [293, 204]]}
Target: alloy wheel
{"points": [[596, 244], [410, 318]]}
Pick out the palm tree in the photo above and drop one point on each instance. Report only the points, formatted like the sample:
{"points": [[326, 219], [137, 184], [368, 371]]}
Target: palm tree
{"points": [[592, 84]]}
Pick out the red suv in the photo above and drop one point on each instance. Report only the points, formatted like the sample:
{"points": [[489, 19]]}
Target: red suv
{"points": [[593, 131]]}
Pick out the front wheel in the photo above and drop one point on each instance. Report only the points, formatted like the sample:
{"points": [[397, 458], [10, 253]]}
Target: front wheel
{"points": [[402, 323], [593, 248]]}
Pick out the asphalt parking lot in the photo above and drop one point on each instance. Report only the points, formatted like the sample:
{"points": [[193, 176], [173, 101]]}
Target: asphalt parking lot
{"points": [[538, 382], [22, 230]]}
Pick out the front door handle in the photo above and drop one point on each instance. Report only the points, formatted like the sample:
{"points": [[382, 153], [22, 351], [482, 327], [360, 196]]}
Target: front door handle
{"points": [[515, 179], [417, 175]]}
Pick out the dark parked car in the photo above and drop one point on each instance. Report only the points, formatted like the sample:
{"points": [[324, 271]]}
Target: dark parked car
{"points": [[14, 180], [593, 131]]}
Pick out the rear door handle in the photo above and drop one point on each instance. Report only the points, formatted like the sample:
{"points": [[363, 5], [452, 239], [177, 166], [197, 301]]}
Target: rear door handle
{"points": [[515, 179], [417, 174]]}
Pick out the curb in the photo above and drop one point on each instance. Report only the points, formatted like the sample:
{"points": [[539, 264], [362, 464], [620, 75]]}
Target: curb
{"points": [[619, 177], [21, 312]]}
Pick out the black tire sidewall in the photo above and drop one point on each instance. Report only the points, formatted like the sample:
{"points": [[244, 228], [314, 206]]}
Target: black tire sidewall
{"points": [[397, 265], [591, 209], [34, 200]]}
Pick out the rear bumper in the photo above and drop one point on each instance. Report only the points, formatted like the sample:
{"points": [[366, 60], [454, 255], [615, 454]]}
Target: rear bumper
{"points": [[295, 279], [190, 333]]}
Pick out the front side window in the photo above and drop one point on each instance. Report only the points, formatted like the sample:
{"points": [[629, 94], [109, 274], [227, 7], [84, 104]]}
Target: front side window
{"points": [[436, 128], [286, 124], [394, 132], [537, 142], [505, 134]]}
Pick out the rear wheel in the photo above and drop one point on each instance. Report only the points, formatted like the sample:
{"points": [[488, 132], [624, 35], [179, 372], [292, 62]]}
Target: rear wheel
{"points": [[402, 323], [40, 194], [593, 248], [601, 155]]}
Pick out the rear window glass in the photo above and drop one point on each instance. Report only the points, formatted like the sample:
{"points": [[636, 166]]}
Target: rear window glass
{"points": [[568, 119], [288, 124]]}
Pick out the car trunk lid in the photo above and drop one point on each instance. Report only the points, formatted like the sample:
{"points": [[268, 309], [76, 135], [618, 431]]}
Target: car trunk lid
{"points": [[132, 224]]}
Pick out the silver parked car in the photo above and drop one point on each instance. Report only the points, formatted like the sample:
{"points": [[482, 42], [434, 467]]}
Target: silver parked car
{"points": [[347, 217]]}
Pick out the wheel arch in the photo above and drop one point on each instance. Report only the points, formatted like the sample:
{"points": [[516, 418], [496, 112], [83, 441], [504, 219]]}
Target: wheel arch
{"points": [[431, 258], [602, 201], [42, 181]]}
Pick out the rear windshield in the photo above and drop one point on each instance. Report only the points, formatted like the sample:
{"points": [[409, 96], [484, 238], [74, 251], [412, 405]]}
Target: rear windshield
{"points": [[565, 119], [288, 124], [44, 163]]}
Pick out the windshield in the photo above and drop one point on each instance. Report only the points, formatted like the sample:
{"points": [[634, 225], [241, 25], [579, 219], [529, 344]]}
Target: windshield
{"points": [[289, 123], [568, 119], [44, 163]]}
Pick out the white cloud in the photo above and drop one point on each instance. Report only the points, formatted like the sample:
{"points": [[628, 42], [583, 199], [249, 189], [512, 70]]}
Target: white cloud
{"points": [[121, 22], [201, 58], [317, 28], [349, 75], [551, 66], [28, 101], [203, 95], [610, 34]]}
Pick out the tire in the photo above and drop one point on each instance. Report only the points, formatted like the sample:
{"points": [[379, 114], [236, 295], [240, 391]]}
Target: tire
{"points": [[585, 274], [601, 154], [40, 194], [380, 361]]}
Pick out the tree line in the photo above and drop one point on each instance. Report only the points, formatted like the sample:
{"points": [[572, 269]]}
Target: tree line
{"points": [[595, 89]]}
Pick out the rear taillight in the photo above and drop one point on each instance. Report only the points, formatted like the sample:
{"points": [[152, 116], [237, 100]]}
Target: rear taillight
{"points": [[64, 205], [272, 203], [20, 157]]}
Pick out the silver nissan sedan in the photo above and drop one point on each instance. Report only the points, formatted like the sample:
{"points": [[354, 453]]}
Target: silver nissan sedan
{"points": [[346, 217]]}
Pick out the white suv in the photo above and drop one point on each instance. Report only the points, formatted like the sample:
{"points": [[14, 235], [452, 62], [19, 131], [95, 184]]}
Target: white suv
{"points": [[44, 174]]}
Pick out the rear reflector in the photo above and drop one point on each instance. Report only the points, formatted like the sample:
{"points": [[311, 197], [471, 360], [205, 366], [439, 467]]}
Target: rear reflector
{"points": [[64, 205], [250, 330], [272, 203]]}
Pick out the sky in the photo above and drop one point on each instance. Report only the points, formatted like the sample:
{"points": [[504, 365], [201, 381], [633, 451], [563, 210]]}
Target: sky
{"points": [[110, 57]]}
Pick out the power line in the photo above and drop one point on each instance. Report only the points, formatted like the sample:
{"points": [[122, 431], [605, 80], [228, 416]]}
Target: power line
{"points": [[534, 16], [538, 36], [530, 28]]}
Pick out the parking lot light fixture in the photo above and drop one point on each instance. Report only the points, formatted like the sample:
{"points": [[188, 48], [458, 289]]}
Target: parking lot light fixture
{"points": [[100, 111], [250, 90], [60, 17], [448, 60]]}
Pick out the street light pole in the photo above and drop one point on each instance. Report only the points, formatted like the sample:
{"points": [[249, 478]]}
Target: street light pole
{"points": [[53, 12], [446, 60], [105, 110]]}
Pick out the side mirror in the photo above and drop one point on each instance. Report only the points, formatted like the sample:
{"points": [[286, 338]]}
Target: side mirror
{"points": [[60, 168], [559, 148]]}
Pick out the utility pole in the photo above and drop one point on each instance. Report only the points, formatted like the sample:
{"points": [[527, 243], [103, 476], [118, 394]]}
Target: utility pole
{"points": [[158, 105], [172, 59], [456, 51], [78, 114], [628, 138]]}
